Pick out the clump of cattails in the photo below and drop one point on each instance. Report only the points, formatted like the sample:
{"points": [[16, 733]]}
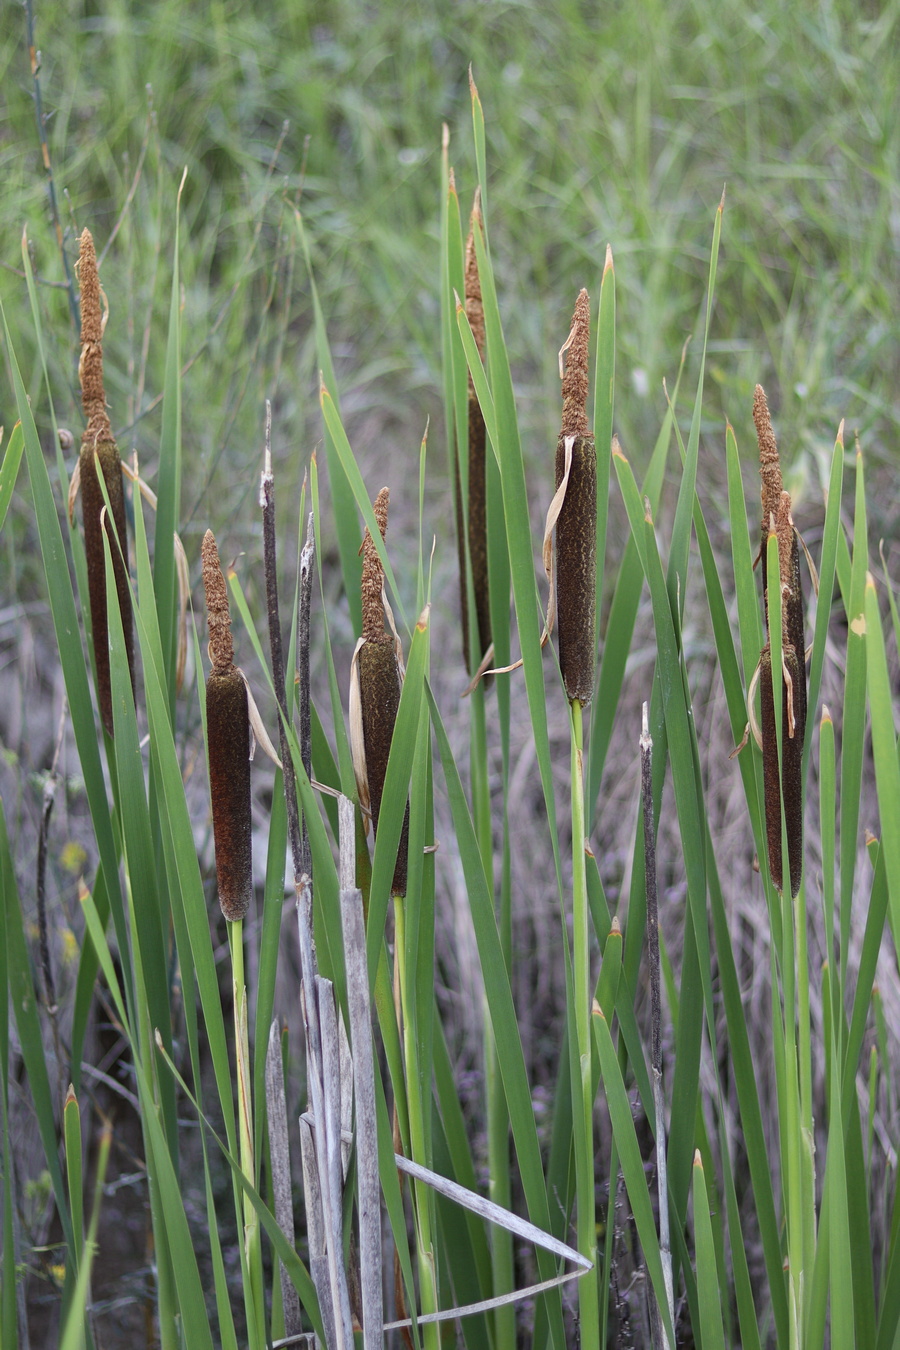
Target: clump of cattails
{"points": [[228, 735], [98, 440], [473, 526], [576, 523], [376, 678], [788, 785]]}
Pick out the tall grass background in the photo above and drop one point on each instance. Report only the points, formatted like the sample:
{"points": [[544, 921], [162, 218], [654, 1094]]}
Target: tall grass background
{"points": [[315, 232]]}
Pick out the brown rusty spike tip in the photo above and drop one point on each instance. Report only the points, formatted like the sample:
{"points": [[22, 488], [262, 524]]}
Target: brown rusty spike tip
{"points": [[373, 576], [221, 647], [575, 378]]}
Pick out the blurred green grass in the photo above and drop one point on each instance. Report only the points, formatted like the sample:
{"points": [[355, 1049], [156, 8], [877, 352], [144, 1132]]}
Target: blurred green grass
{"points": [[618, 123]]}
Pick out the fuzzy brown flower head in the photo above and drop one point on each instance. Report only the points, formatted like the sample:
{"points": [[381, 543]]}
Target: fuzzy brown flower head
{"points": [[575, 378], [474, 303], [373, 576], [228, 735], [221, 647], [90, 367], [769, 466], [98, 440]]}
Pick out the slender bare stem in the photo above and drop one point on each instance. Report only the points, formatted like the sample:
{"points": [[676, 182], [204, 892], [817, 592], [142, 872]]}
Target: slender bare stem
{"points": [[660, 1337]]}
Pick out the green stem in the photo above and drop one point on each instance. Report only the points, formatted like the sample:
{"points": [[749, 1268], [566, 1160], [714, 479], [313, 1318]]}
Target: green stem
{"points": [[254, 1294], [582, 1084], [500, 1187]]}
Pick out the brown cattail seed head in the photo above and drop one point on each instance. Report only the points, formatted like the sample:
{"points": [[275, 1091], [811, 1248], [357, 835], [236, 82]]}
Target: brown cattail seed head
{"points": [[221, 647], [373, 576], [474, 303], [477, 497], [576, 526], [791, 778], [98, 439], [769, 469], [575, 379], [379, 691], [228, 736], [379, 686], [792, 629]]}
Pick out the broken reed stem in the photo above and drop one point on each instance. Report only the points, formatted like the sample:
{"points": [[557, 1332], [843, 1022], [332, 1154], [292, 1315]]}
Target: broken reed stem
{"points": [[646, 743], [48, 798], [375, 687], [280, 1159], [228, 736], [477, 459], [98, 440], [307, 557], [576, 525]]}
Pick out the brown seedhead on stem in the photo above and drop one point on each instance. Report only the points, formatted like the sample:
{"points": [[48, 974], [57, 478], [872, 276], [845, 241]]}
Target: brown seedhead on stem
{"points": [[576, 525], [375, 685], [373, 576], [98, 441], [769, 469], [476, 513], [784, 786], [228, 735]]}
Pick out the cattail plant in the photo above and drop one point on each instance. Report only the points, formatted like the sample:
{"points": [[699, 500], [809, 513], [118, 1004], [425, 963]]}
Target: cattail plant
{"points": [[376, 678], [98, 440], [473, 526], [576, 524], [228, 735], [788, 784]]}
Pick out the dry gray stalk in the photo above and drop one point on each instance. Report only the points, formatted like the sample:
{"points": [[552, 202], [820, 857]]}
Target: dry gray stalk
{"points": [[370, 1256], [280, 1158]]}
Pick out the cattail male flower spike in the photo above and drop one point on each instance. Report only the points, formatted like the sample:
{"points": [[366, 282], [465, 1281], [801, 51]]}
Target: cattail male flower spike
{"points": [[228, 734], [576, 524], [98, 440]]}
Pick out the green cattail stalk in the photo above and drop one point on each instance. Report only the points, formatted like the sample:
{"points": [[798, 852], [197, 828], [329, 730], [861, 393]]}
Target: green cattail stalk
{"points": [[782, 787], [228, 735], [576, 525], [98, 440], [377, 680]]}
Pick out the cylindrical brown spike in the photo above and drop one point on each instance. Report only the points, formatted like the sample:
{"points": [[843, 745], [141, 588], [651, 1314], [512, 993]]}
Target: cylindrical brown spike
{"points": [[98, 439], [791, 778], [379, 691], [477, 496], [228, 732], [379, 686], [576, 526], [228, 736], [373, 575], [792, 597]]}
